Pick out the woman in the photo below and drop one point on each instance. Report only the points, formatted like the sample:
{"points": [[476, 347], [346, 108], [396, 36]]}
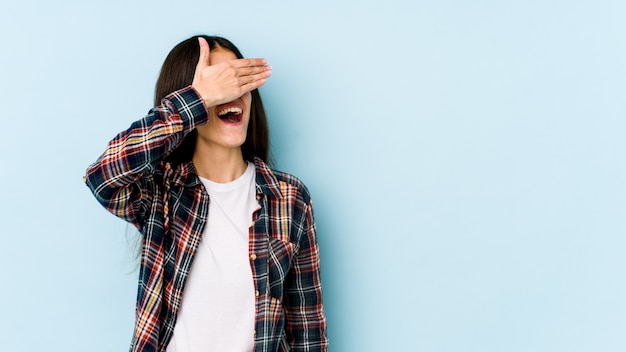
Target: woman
{"points": [[192, 177]]}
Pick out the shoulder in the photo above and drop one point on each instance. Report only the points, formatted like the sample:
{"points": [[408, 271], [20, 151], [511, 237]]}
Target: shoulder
{"points": [[288, 181]]}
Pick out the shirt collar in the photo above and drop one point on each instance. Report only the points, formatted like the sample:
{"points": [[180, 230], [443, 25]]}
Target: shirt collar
{"points": [[183, 175], [266, 181]]}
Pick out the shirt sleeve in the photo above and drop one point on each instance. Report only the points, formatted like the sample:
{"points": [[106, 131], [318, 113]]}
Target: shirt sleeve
{"points": [[304, 310], [122, 177]]}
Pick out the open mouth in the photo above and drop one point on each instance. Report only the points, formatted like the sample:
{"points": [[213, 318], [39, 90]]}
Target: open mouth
{"points": [[232, 114]]}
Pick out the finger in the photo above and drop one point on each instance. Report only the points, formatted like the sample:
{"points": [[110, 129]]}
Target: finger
{"points": [[248, 62], [203, 60], [253, 78], [249, 71], [252, 85]]}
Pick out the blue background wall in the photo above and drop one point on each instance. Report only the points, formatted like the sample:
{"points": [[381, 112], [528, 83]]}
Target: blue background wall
{"points": [[466, 160]]}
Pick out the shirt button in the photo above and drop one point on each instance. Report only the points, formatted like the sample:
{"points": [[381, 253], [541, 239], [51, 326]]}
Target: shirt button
{"points": [[253, 256], [258, 197], [256, 293]]}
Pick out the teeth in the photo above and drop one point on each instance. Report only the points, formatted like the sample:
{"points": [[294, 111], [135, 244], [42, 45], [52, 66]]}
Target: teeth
{"points": [[232, 109]]}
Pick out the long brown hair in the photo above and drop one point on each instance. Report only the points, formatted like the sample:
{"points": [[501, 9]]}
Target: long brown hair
{"points": [[177, 72]]}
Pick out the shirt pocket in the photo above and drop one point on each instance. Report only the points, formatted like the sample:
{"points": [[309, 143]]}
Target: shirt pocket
{"points": [[280, 259]]}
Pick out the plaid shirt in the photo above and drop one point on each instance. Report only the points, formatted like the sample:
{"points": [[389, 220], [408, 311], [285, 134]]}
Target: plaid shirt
{"points": [[169, 206]]}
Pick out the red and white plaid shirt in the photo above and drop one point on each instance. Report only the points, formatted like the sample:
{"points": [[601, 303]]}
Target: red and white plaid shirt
{"points": [[169, 206]]}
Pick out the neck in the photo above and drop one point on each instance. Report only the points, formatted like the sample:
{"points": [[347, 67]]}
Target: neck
{"points": [[219, 165]]}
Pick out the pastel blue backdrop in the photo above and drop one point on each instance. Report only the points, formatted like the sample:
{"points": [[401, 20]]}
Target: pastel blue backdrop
{"points": [[466, 160]]}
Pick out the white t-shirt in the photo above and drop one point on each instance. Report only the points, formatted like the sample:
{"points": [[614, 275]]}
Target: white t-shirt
{"points": [[218, 305]]}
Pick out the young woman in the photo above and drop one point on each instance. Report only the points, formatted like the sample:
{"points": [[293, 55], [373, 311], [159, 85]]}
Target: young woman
{"points": [[229, 256]]}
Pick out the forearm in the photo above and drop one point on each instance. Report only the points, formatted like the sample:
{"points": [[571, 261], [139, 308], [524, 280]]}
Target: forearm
{"points": [[137, 151]]}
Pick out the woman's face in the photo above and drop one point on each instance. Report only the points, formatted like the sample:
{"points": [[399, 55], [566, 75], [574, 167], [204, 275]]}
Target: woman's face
{"points": [[228, 123]]}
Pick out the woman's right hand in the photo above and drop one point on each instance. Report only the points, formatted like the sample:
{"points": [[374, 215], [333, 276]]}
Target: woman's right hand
{"points": [[228, 80]]}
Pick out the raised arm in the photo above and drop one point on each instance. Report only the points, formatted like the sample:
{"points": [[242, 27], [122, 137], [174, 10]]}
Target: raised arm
{"points": [[121, 178]]}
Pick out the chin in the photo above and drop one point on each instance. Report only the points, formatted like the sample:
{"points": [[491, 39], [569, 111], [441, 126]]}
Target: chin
{"points": [[235, 142]]}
